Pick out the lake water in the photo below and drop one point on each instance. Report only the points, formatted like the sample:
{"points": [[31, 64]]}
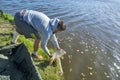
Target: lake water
{"points": [[92, 38]]}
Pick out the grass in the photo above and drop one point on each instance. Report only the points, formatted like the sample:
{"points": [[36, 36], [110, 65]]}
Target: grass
{"points": [[7, 17], [6, 28]]}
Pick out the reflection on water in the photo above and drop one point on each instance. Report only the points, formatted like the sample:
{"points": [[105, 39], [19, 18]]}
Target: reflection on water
{"points": [[92, 39]]}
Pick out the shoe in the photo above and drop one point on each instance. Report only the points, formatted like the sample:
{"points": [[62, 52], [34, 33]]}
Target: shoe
{"points": [[50, 55], [12, 43], [36, 56]]}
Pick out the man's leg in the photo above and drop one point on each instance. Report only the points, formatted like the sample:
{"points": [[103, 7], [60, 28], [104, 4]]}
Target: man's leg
{"points": [[15, 37], [36, 46]]}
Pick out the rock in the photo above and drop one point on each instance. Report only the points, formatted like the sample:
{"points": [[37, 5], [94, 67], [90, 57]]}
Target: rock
{"points": [[17, 64]]}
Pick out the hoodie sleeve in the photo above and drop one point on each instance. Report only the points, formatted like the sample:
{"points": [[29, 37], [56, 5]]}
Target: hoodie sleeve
{"points": [[44, 41], [55, 41]]}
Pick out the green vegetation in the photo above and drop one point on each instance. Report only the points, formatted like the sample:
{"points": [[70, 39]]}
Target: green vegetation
{"points": [[6, 16], [6, 28]]}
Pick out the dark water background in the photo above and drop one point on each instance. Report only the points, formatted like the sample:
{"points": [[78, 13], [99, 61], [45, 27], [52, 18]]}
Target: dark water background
{"points": [[92, 38]]}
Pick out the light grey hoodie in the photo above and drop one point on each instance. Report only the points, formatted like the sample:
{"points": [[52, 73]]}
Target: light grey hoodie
{"points": [[44, 25]]}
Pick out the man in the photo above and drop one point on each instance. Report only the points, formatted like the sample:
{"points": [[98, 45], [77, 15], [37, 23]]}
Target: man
{"points": [[35, 24]]}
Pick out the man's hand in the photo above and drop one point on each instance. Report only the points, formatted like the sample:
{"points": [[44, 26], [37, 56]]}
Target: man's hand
{"points": [[50, 55], [58, 48]]}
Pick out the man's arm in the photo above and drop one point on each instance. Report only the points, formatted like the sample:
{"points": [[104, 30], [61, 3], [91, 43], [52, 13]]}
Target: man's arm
{"points": [[55, 41], [44, 41]]}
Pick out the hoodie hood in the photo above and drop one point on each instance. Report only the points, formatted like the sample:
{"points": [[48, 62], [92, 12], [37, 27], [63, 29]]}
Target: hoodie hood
{"points": [[54, 23]]}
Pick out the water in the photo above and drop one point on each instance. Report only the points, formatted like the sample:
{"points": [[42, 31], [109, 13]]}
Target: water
{"points": [[92, 38]]}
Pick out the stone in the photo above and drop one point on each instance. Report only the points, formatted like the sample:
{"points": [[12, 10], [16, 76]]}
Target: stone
{"points": [[17, 64]]}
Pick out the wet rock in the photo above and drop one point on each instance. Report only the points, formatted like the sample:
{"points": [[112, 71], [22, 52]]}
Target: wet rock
{"points": [[83, 74], [90, 68], [70, 69]]}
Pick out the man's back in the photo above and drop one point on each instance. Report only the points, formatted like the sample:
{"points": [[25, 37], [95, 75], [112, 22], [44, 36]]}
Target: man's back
{"points": [[38, 20]]}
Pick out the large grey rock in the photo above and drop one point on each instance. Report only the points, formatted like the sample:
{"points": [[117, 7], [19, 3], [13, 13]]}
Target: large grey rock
{"points": [[17, 64]]}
